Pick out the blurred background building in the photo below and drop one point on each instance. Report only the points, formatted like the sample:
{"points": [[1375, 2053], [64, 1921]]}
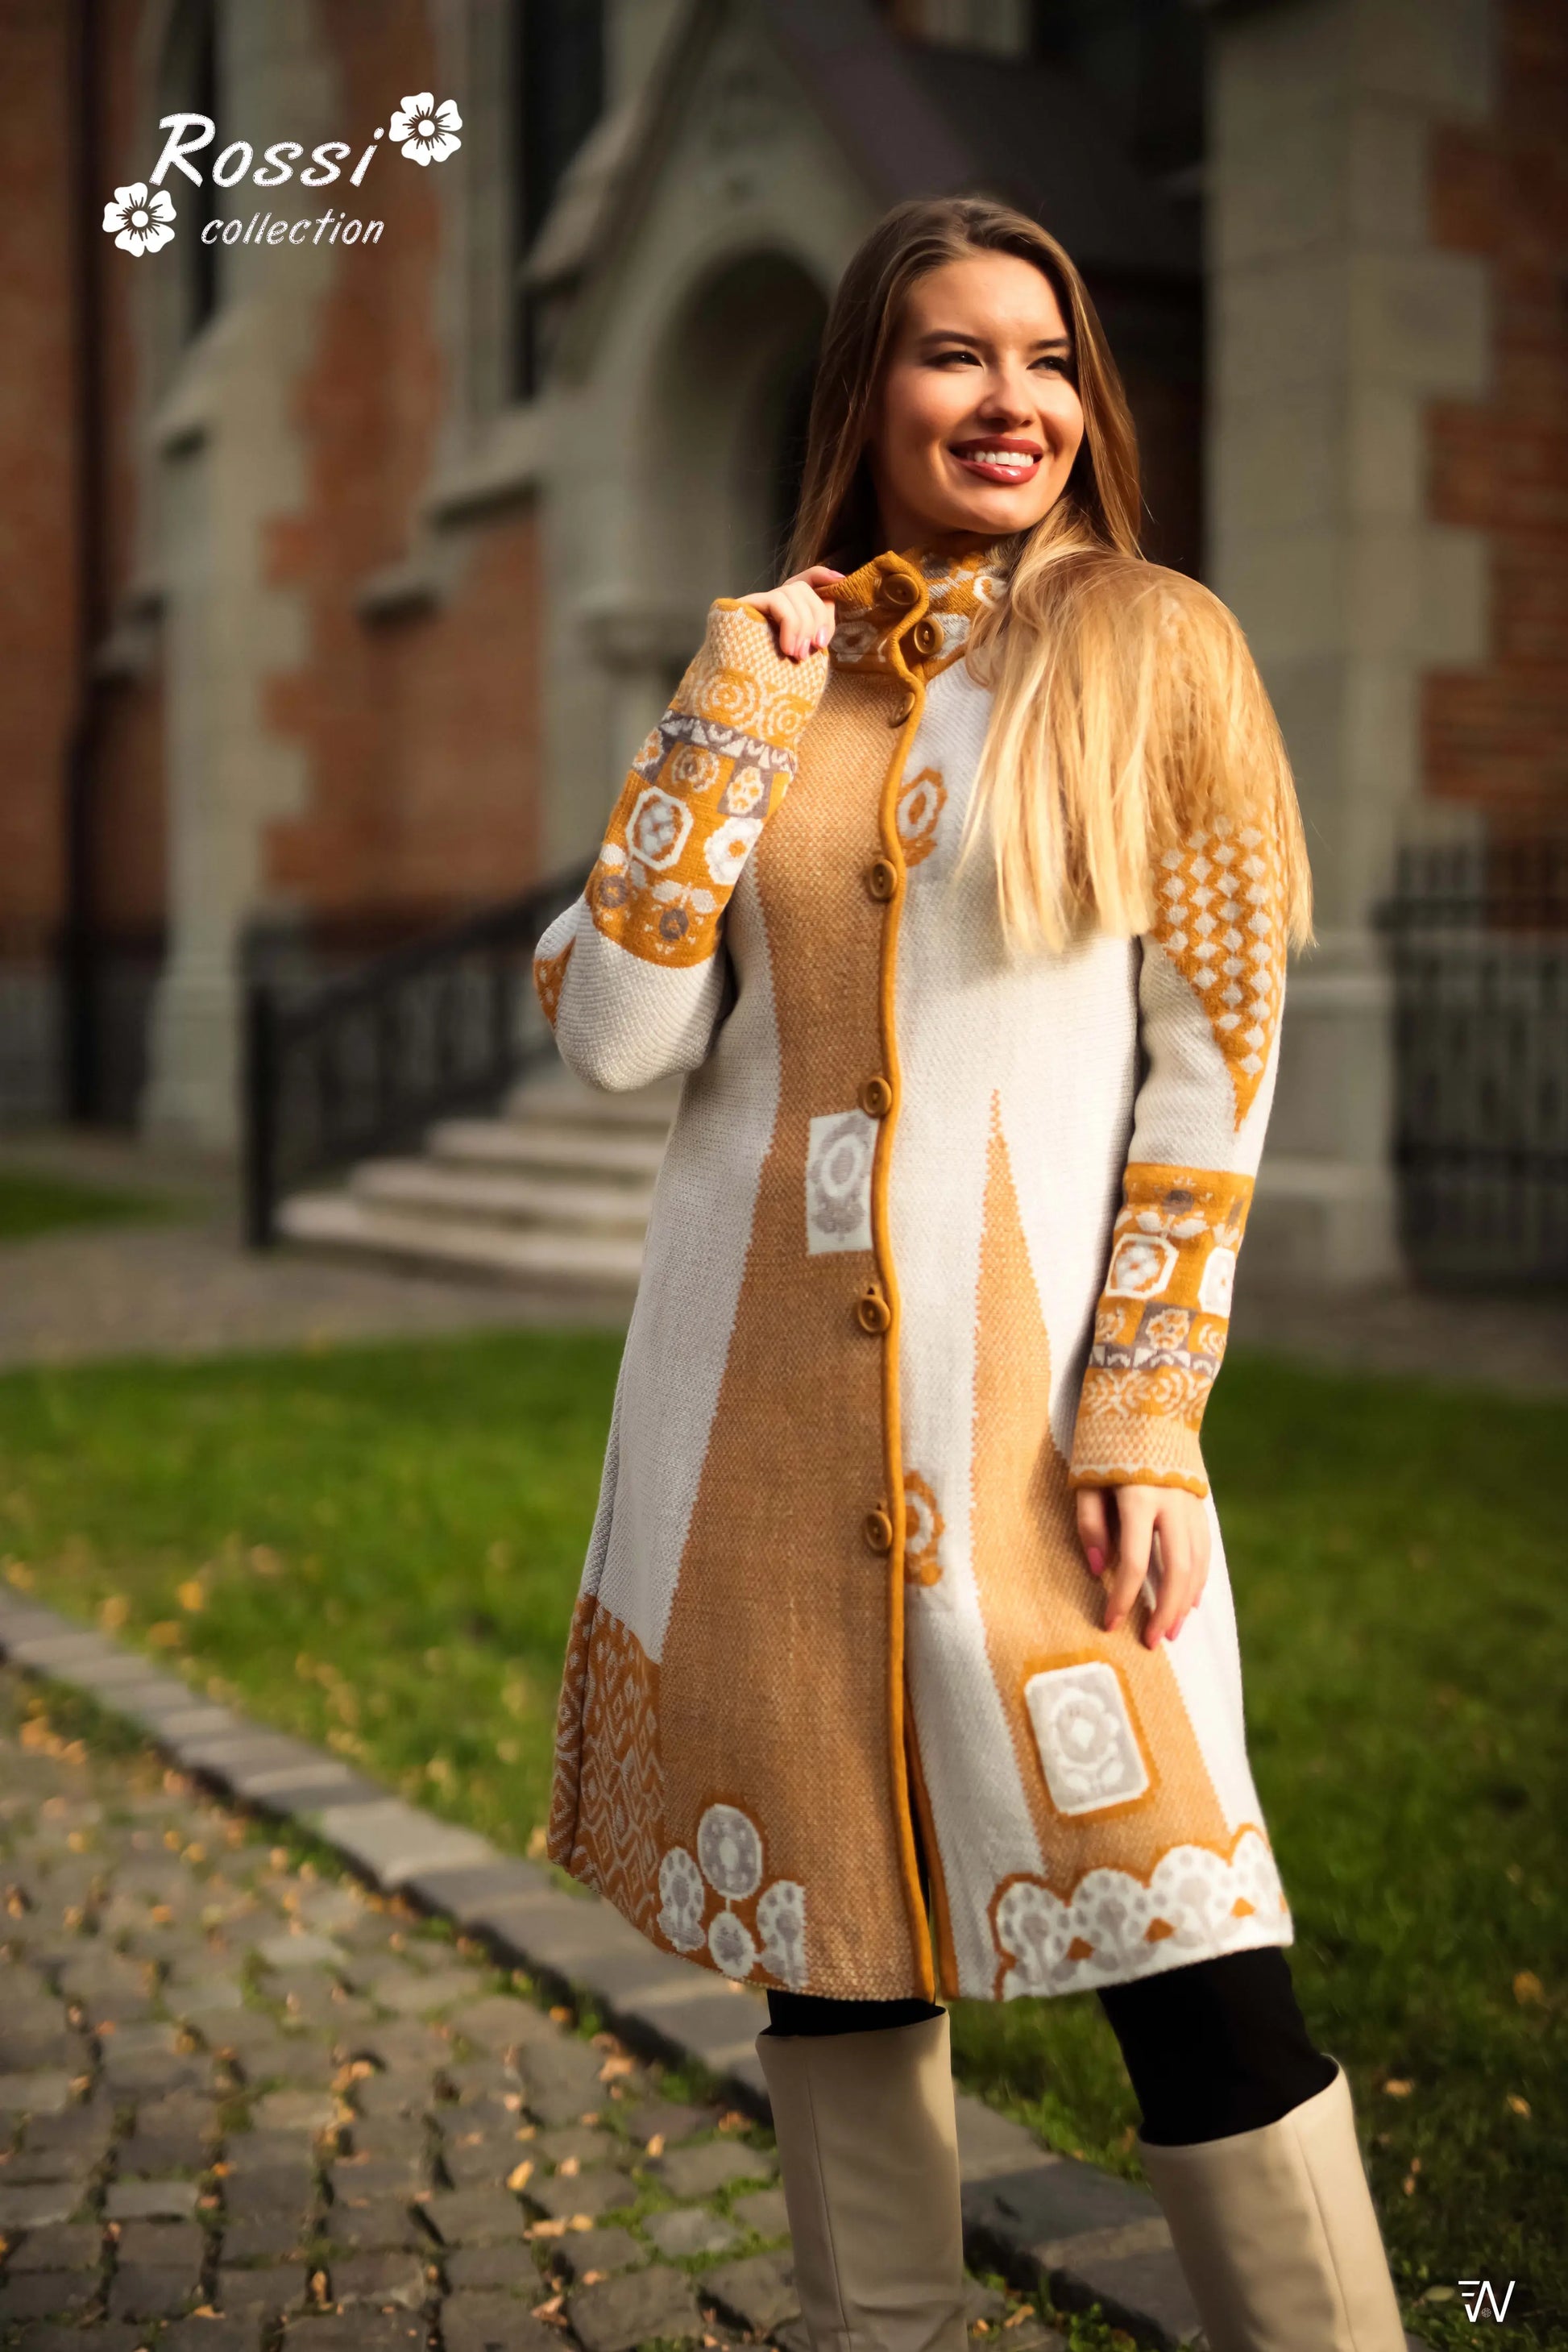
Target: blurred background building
{"points": [[340, 579]]}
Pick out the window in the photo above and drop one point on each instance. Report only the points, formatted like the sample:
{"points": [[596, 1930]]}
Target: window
{"points": [[188, 84], [558, 68]]}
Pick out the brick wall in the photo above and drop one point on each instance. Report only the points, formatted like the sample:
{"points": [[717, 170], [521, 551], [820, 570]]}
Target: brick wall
{"points": [[38, 550], [1499, 734], [421, 733]]}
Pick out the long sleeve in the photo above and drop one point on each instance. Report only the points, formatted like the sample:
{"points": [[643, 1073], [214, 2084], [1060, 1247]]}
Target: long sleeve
{"points": [[1211, 993], [631, 977]]}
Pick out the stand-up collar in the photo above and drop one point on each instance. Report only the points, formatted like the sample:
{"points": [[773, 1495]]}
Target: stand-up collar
{"points": [[920, 601]]}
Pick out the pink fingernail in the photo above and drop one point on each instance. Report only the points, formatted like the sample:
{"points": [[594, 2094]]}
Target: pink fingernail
{"points": [[1096, 1561]]}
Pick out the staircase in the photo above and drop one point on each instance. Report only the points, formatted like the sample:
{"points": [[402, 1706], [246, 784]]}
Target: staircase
{"points": [[554, 1191]]}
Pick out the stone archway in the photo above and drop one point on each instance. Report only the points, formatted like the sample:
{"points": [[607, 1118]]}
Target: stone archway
{"points": [[725, 425]]}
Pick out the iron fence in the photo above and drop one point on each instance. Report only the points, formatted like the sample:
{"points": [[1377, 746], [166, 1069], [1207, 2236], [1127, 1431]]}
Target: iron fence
{"points": [[1478, 939], [360, 1065]]}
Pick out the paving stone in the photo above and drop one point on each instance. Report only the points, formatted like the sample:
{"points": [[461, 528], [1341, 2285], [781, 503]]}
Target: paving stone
{"points": [[583, 2143], [31, 2208], [689, 2230], [44, 2052], [307, 2112], [410, 1993], [495, 2322], [407, 2092], [103, 2338], [584, 2252], [700, 2171], [34, 2093], [376, 2227], [138, 2290], [619, 2313], [561, 2081], [367, 2180], [379, 2279], [150, 2200], [391, 1841], [499, 2022], [473, 2216], [359, 2331], [508, 2265], [562, 2195], [77, 2134], [763, 2211], [63, 2246], [264, 2237], [46, 2295], [665, 2119], [302, 1950], [162, 2245], [210, 2335], [260, 2291], [759, 2292], [479, 2159]]}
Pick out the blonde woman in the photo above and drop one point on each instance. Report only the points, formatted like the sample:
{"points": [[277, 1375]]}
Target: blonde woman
{"points": [[958, 880]]}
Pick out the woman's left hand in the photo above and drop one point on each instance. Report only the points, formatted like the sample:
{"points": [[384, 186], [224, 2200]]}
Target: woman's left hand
{"points": [[1116, 1527]]}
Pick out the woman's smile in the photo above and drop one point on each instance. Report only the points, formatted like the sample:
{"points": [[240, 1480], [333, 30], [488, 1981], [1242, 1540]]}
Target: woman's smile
{"points": [[995, 457]]}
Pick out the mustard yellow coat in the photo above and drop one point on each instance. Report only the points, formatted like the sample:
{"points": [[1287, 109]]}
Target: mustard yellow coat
{"points": [[940, 1232]]}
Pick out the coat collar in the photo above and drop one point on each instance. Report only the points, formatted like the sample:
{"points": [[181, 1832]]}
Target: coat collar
{"points": [[880, 604]]}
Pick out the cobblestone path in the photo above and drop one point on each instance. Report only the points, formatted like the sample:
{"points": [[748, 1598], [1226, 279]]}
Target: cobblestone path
{"points": [[243, 2102]]}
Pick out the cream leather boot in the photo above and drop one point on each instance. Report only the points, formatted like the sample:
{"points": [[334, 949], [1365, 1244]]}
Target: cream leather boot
{"points": [[1276, 2232], [868, 2145]]}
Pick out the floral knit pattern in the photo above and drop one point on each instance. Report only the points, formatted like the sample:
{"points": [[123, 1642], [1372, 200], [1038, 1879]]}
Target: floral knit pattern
{"points": [[1160, 1328], [1218, 918], [700, 792]]}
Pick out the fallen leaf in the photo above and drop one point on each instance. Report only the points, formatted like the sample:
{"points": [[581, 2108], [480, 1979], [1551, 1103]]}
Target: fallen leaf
{"points": [[1528, 1987], [656, 2144], [569, 2166], [733, 2121], [192, 1595], [560, 2015], [538, 1839], [1521, 2107], [1438, 2295], [581, 2221], [1398, 2088], [548, 2310], [114, 1613], [613, 2068], [521, 2174], [546, 2230], [593, 2278]]}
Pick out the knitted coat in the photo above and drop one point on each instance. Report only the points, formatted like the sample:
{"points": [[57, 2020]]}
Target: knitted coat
{"points": [[940, 1233]]}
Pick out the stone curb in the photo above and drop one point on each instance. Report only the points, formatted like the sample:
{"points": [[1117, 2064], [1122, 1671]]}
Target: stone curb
{"points": [[1041, 2219]]}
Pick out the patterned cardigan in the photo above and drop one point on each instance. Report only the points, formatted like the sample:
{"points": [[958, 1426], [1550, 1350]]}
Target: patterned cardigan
{"points": [[940, 1233]]}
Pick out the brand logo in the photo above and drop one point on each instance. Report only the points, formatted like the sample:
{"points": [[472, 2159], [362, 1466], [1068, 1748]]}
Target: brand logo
{"points": [[140, 216], [1476, 2294]]}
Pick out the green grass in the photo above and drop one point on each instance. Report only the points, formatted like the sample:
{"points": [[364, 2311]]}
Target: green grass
{"points": [[38, 1204], [379, 1548]]}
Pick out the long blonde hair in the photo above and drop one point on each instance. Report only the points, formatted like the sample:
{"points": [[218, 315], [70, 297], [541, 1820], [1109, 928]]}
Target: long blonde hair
{"points": [[1127, 711]]}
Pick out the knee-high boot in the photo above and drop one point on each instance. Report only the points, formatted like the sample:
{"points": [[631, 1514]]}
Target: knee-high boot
{"points": [[1276, 2232], [868, 2145]]}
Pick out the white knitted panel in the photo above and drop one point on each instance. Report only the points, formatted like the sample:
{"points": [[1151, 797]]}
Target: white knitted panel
{"points": [[624, 1022], [1186, 1106], [1205, 1660], [703, 1207]]}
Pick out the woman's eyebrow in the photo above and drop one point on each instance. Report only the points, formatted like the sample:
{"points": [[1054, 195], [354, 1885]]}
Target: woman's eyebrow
{"points": [[957, 335]]}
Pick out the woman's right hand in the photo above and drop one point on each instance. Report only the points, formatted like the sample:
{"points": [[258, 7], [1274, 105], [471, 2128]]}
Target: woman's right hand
{"points": [[803, 622]]}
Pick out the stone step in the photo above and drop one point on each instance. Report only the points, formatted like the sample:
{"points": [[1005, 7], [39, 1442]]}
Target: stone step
{"points": [[528, 1145], [566, 1204], [420, 1238], [561, 1101]]}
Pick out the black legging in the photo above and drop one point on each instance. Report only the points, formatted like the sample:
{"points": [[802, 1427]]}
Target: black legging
{"points": [[1216, 2048]]}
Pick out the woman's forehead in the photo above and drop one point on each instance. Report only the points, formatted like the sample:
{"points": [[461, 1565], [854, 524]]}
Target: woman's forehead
{"points": [[998, 295]]}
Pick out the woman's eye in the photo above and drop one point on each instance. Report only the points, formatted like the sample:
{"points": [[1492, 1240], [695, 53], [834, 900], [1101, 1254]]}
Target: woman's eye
{"points": [[958, 352]]}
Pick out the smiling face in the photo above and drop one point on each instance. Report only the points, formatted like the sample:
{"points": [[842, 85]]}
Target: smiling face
{"points": [[977, 419]]}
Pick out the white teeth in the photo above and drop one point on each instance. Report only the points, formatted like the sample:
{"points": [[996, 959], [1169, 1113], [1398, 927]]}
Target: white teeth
{"points": [[1014, 457]]}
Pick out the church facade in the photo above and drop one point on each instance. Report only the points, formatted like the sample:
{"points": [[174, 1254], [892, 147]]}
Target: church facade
{"points": [[348, 568]]}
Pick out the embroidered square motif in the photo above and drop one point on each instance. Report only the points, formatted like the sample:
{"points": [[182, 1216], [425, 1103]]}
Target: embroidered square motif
{"points": [[1085, 1736], [838, 1182]]}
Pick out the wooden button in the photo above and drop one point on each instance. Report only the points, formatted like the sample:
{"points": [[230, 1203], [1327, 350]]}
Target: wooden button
{"points": [[876, 1529], [926, 637], [882, 877], [872, 1311], [899, 591], [905, 709], [876, 1098]]}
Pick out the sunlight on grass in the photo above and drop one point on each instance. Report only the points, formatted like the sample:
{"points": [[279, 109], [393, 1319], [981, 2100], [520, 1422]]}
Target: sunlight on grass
{"points": [[379, 1549]]}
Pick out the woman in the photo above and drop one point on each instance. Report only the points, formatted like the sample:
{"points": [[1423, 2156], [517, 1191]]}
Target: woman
{"points": [[958, 880]]}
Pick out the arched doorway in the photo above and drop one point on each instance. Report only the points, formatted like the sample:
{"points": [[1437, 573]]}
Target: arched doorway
{"points": [[732, 386]]}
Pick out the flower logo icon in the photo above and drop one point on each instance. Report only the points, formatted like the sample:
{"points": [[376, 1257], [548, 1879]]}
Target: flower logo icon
{"points": [[427, 133], [140, 219]]}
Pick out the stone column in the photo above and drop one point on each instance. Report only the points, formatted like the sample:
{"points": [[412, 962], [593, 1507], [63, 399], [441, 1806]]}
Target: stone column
{"points": [[1333, 321]]}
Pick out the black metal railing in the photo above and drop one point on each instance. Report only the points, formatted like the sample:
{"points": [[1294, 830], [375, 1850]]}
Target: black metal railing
{"points": [[362, 1064], [1478, 937]]}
